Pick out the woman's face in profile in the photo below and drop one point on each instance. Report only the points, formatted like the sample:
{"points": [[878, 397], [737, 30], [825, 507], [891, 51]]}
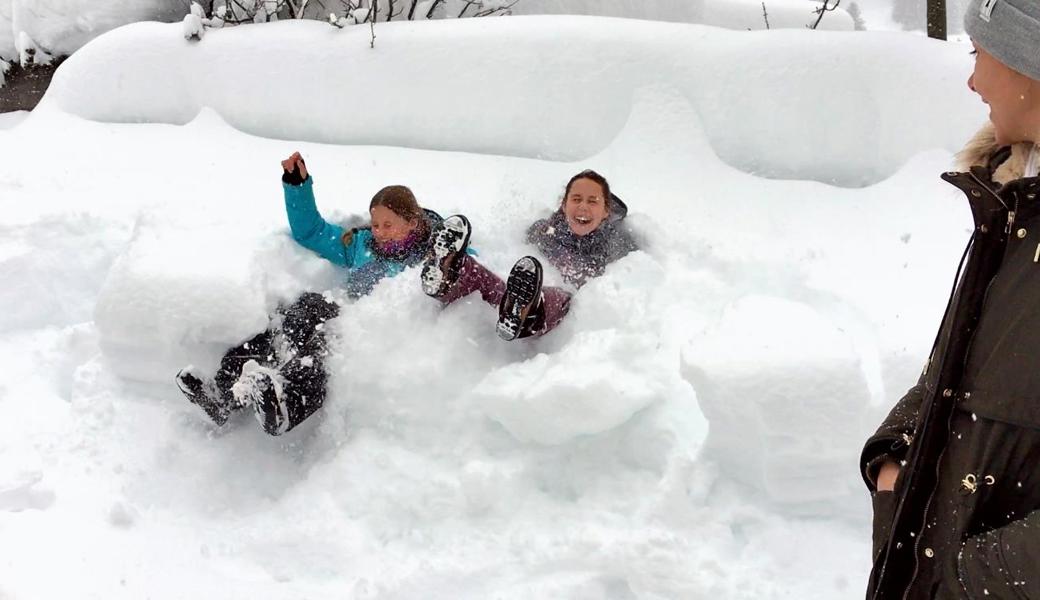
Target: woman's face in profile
{"points": [[1013, 98]]}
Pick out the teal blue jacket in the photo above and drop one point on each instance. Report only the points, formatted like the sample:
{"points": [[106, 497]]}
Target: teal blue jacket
{"points": [[364, 263]]}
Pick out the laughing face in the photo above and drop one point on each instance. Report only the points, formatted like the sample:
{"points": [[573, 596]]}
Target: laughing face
{"points": [[585, 207], [1013, 98], [388, 226]]}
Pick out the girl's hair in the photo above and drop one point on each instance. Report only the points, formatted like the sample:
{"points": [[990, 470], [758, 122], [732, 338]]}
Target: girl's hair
{"points": [[592, 176], [400, 200]]}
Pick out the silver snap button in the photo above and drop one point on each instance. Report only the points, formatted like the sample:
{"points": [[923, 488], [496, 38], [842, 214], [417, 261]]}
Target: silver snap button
{"points": [[983, 228], [976, 193], [929, 552], [947, 393], [1021, 233]]}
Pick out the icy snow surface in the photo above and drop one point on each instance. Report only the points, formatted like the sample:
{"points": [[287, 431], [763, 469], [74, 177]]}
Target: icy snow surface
{"points": [[690, 431]]}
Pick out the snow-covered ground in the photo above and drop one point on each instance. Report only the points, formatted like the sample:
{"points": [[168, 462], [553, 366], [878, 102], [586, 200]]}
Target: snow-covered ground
{"points": [[691, 431], [10, 119]]}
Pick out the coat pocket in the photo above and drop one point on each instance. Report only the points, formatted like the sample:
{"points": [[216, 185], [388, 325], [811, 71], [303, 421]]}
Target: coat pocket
{"points": [[884, 504]]}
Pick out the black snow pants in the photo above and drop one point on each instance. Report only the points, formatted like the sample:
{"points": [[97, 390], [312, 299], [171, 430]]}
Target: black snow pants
{"points": [[294, 344]]}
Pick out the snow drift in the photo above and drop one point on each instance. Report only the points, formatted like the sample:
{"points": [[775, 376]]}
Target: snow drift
{"points": [[342, 93], [702, 406]]}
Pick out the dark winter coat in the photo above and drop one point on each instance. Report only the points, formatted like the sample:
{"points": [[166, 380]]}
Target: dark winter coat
{"points": [[579, 258], [964, 520]]}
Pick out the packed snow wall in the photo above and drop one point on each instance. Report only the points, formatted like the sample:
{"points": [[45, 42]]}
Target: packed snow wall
{"points": [[757, 95]]}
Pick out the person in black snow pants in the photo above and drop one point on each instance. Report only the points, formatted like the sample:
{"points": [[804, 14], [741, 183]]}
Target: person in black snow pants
{"points": [[280, 372], [580, 239]]}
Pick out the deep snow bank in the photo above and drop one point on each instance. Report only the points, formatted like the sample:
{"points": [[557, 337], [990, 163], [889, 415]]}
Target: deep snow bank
{"points": [[447, 463], [64, 26], [786, 330], [840, 108]]}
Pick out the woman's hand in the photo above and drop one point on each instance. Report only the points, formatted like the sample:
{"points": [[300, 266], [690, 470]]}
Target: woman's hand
{"points": [[293, 162], [886, 479]]}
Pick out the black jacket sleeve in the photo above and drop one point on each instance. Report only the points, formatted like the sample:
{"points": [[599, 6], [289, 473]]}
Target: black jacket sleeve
{"points": [[893, 438]]}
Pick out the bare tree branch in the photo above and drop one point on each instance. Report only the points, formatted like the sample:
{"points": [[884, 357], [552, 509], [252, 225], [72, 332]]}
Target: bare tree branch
{"points": [[433, 7], [503, 10], [373, 15], [239, 12], [469, 3], [822, 10]]}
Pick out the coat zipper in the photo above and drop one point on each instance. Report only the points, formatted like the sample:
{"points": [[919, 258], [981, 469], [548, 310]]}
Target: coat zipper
{"points": [[949, 420], [927, 509]]}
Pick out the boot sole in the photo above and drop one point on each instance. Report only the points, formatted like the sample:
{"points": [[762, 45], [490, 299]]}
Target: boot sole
{"points": [[270, 412], [448, 240], [522, 291], [213, 407]]}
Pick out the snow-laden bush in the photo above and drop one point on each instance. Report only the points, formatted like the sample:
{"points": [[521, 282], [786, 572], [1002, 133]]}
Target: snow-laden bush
{"points": [[344, 12]]}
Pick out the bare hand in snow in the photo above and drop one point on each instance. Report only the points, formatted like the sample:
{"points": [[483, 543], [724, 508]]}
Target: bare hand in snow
{"points": [[294, 161]]}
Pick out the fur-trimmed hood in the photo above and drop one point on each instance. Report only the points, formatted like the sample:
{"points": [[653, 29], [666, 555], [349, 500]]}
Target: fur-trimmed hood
{"points": [[983, 145]]}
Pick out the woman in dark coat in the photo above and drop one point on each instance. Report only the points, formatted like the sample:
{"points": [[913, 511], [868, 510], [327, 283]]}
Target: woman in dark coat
{"points": [[955, 468], [580, 239]]}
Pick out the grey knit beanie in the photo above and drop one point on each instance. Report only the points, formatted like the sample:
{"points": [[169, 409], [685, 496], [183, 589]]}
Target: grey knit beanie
{"points": [[1009, 30]]}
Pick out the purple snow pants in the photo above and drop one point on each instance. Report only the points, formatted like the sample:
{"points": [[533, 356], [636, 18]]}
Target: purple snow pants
{"points": [[475, 277]]}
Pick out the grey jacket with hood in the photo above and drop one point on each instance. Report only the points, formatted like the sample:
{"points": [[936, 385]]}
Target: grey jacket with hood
{"points": [[579, 258]]}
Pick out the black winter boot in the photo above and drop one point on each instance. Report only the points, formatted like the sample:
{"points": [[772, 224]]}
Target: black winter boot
{"points": [[523, 295], [448, 242], [204, 394], [256, 387]]}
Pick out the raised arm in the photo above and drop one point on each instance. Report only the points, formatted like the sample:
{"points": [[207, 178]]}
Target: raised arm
{"points": [[308, 227]]}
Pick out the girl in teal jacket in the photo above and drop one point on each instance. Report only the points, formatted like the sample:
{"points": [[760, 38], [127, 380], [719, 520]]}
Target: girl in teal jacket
{"points": [[280, 372]]}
